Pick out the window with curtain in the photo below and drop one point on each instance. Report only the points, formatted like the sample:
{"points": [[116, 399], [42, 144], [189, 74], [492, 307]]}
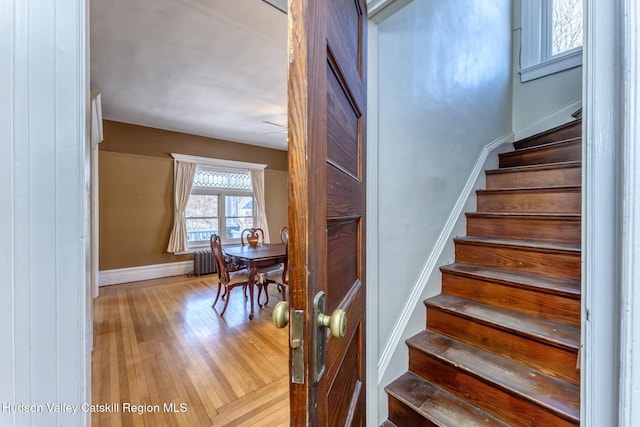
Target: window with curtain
{"points": [[215, 196], [552, 37]]}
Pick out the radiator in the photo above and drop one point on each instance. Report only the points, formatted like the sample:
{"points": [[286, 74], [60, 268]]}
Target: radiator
{"points": [[203, 263]]}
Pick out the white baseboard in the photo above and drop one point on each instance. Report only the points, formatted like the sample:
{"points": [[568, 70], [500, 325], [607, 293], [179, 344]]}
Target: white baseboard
{"points": [[555, 118], [145, 272], [445, 236]]}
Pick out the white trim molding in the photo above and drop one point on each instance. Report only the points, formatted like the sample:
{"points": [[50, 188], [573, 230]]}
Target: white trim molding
{"points": [[45, 296], [379, 10], [209, 161], [391, 346], [145, 272], [603, 375], [629, 406], [552, 66]]}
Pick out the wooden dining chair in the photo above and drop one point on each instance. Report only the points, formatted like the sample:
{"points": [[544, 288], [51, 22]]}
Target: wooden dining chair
{"points": [[279, 275], [251, 236], [228, 278], [284, 234]]}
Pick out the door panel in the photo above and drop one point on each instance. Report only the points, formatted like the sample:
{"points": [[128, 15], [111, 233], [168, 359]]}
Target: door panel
{"points": [[327, 146], [342, 265], [342, 127]]}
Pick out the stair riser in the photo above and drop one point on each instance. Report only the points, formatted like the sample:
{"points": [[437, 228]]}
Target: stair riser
{"points": [[527, 260], [402, 415], [534, 178], [547, 306], [568, 131], [551, 360], [513, 409], [545, 230], [567, 152], [532, 201]]}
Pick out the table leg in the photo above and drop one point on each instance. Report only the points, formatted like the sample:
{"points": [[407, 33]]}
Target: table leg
{"points": [[252, 278]]}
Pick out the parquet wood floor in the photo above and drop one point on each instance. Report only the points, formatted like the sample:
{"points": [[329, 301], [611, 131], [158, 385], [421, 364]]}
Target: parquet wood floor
{"points": [[159, 342]]}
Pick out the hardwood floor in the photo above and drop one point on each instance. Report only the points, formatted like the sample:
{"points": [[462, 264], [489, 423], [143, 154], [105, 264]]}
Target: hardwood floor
{"points": [[159, 342]]}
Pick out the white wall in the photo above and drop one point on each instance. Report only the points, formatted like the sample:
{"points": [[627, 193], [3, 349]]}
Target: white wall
{"points": [[44, 300], [444, 92], [533, 101]]}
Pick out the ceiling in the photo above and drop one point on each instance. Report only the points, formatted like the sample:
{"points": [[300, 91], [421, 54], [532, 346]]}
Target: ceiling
{"points": [[215, 68]]}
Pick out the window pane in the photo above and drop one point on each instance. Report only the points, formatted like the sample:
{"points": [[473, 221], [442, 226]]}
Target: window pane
{"points": [[566, 25], [239, 206], [238, 214], [202, 206], [236, 225], [201, 217], [201, 229], [210, 178]]}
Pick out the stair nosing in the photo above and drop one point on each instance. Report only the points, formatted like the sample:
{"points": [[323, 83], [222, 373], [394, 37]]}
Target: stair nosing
{"points": [[541, 166], [541, 147], [567, 248], [529, 215], [427, 415], [544, 189], [519, 280], [568, 344], [492, 380]]}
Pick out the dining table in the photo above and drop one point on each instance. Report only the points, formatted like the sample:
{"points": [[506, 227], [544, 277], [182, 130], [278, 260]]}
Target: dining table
{"points": [[253, 258]]}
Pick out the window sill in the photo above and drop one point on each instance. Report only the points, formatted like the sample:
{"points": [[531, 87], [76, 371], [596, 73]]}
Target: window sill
{"points": [[555, 65]]}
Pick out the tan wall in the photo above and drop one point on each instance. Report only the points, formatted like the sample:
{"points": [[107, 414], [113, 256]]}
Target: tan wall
{"points": [[275, 193], [136, 189]]}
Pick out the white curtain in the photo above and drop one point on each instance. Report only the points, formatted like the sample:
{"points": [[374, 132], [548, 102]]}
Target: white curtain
{"points": [[257, 181], [182, 183], [96, 118]]}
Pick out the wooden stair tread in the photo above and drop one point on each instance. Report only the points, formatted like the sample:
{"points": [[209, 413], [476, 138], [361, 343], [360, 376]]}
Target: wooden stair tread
{"points": [[556, 396], [540, 167], [437, 405], [563, 287], [531, 327], [532, 215], [545, 189], [548, 134], [521, 244], [541, 147]]}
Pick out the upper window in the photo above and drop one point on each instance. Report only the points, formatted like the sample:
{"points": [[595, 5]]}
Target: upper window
{"points": [[551, 37]]}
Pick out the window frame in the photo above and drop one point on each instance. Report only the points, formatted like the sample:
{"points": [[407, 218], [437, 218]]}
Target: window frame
{"points": [[221, 165], [536, 58]]}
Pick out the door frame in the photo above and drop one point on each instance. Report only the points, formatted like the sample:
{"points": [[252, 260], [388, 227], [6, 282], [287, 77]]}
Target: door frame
{"points": [[600, 174]]}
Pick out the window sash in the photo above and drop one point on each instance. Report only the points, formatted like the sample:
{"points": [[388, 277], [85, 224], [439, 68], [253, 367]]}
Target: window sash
{"points": [[536, 35], [222, 216]]}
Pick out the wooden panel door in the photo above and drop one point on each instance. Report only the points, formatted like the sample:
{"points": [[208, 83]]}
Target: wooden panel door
{"points": [[327, 97]]}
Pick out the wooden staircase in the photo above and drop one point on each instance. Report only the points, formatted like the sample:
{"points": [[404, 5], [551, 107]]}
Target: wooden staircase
{"points": [[502, 339]]}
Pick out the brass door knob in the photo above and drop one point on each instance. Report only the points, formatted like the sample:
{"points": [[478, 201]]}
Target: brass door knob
{"points": [[337, 322], [280, 314]]}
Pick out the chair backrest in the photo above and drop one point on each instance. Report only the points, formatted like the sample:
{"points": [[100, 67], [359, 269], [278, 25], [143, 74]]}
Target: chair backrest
{"points": [[284, 234], [251, 232], [218, 257]]}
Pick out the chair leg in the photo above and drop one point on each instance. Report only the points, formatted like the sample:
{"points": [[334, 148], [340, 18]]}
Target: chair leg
{"points": [[265, 285], [226, 301], [217, 295]]}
